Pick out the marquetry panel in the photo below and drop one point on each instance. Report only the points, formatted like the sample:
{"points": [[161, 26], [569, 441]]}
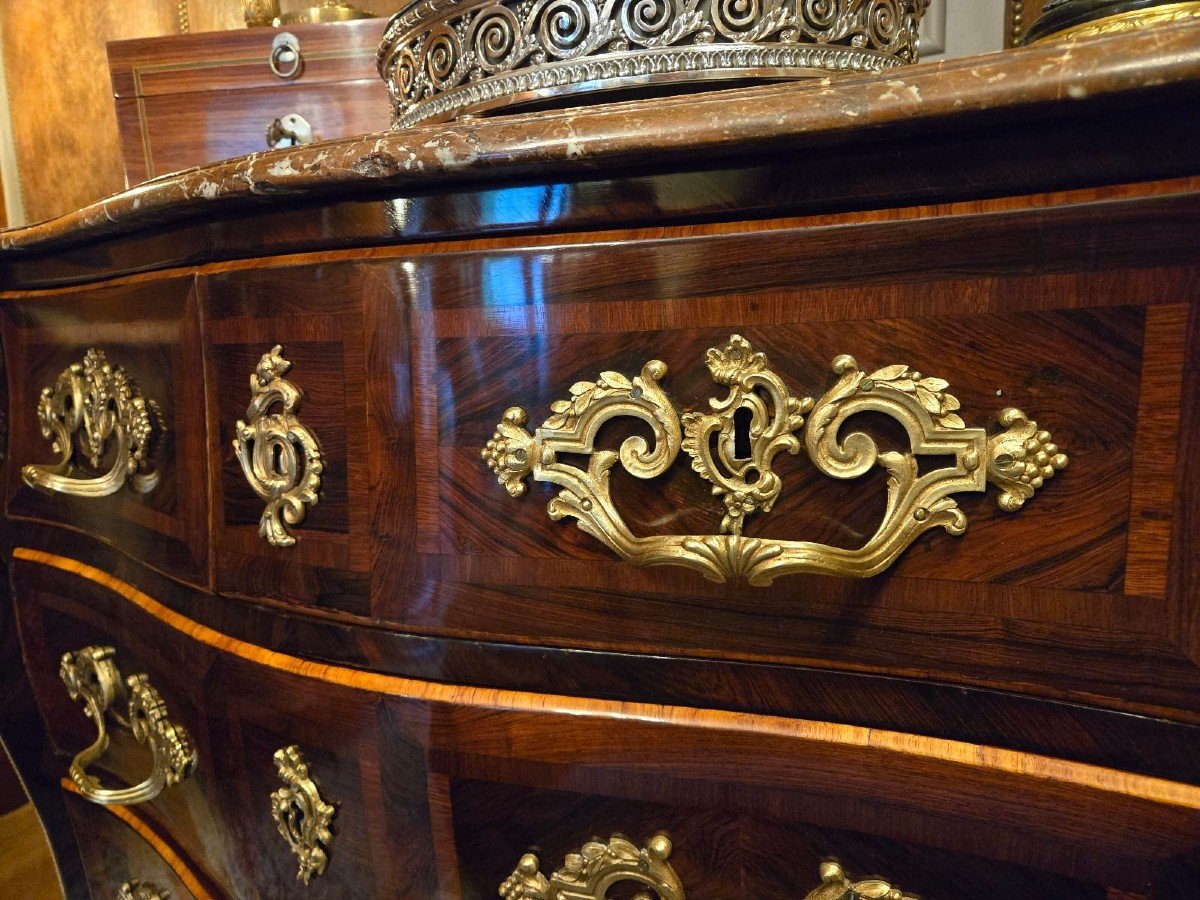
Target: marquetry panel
{"points": [[439, 789], [315, 314], [1074, 596], [152, 331], [118, 847]]}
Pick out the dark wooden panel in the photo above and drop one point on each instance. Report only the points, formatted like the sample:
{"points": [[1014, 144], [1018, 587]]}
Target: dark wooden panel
{"points": [[717, 854], [314, 312], [1078, 822], [114, 853], [994, 718], [1036, 600], [153, 330]]}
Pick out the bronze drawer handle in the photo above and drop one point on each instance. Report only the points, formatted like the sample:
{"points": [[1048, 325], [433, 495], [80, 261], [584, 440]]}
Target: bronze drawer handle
{"points": [[279, 456], [91, 675], [597, 867], [301, 816], [95, 408], [734, 443], [836, 886], [142, 890]]}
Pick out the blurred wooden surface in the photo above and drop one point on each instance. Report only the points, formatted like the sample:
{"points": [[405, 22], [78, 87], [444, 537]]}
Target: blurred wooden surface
{"points": [[26, 867]]}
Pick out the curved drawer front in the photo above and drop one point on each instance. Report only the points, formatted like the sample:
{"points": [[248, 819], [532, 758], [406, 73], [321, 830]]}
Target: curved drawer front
{"points": [[124, 857], [934, 463], [420, 789], [107, 419]]}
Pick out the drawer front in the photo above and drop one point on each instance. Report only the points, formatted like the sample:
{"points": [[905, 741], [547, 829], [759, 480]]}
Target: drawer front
{"points": [[135, 471], [315, 315], [171, 132], [238, 717], [1072, 585], [439, 791], [121, 855]]}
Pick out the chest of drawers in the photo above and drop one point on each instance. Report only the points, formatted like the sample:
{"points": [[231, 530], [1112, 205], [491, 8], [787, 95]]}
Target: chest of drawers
{"points": [[733, 496]]}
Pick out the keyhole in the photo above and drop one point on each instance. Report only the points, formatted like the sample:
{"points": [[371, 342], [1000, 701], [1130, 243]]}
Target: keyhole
{"points": [[278, 458], [742, 418]]}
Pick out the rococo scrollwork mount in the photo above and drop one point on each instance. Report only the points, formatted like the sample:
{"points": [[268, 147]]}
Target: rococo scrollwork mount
{"points": [[1018, 459], [279, 456], [96, 410]]}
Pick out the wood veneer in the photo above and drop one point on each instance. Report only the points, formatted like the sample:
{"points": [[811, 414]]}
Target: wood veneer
{"points": [[1084, 822]]}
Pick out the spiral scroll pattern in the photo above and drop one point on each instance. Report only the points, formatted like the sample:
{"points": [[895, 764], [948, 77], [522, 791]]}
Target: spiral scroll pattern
{"points": [[445, 57], [565, 25], [643, 21], [734, 18], [493, 37]]}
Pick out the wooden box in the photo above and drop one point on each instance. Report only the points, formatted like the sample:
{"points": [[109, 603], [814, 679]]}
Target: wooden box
{"points": [[184, 101]]}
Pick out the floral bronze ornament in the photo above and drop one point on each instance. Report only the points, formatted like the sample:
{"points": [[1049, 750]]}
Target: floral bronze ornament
{"points": [[1018, 460], [595, 869], [280, 457], [836, 886], [96, 410], [91, 676], [300, 814]]}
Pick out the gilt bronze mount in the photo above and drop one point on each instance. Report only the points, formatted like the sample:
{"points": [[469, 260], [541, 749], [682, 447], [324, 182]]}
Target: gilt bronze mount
{"points": [[445, 58], [96, 412], [1018, 459], [279, 456]]}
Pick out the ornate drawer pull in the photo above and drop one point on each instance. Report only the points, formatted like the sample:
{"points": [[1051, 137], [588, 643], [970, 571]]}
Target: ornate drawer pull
{"points": [[836, 886], [92, 676], [597, 867], [300, 814], [142, 890], [733, 446], [279, 456], [96, 408]]}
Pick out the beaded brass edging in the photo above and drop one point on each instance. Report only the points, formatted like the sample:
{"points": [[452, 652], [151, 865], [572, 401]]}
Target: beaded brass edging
{"points": [[1019, 459]]}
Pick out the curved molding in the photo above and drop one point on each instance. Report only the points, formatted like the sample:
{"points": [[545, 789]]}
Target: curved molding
{"points": [[1109, 784], [146, 832]]}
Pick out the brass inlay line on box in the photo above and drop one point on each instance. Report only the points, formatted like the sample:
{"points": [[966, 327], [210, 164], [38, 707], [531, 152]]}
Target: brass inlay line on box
{"points": [[1018, 459]]}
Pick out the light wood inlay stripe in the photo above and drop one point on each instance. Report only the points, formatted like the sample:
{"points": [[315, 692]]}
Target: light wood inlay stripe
{"points": [[1028, 766], [1152, 495], [181, 869]]}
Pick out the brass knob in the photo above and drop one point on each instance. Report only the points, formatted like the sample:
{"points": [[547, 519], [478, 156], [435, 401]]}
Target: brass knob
{"points": [[91, 675]]}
